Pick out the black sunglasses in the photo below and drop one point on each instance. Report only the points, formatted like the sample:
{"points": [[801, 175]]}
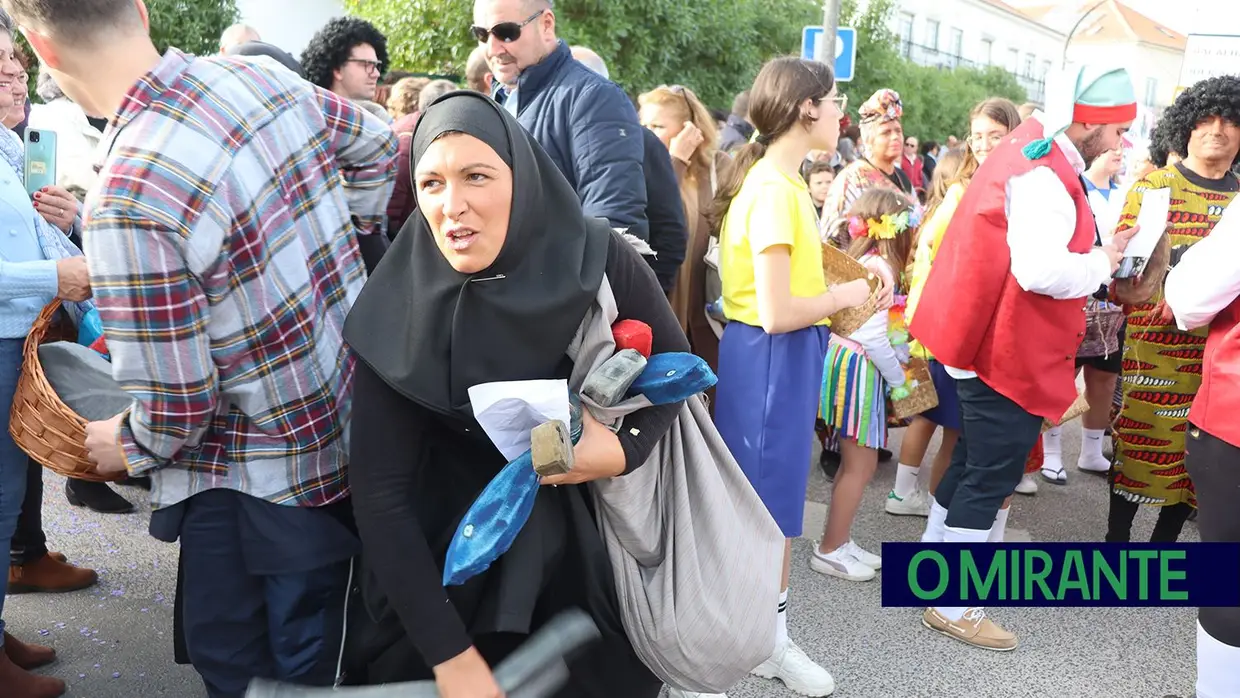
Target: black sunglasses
{"points": [[506, 32]]}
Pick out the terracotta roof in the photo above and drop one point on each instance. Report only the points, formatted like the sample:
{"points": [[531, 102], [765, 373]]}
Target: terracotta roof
{"points": [[1113, 22], [1016, 11]]}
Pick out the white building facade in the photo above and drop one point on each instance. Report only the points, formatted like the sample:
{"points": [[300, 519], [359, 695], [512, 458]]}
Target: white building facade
{"points": [[976, 34], [289, 24]]}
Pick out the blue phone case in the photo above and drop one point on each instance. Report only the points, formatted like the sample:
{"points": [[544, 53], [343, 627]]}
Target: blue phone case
{"points": [[40, 159]]}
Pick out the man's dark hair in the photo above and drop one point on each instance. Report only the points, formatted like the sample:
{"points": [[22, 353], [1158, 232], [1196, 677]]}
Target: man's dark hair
{"points": [[73, 21], [1158, 148], [1219, 96], [333, 44], [928, 147], [819, 166]]}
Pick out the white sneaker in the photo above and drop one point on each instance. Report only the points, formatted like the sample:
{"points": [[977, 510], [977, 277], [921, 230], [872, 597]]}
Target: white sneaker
{"points": [[866, 558], [1028, 485], [841, 563], [915, 504], [677, 693], [798, 672]]}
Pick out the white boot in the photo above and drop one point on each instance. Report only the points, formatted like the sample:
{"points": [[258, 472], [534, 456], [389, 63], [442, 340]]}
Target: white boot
{"points": [[1218, 667], [1052, 463]]}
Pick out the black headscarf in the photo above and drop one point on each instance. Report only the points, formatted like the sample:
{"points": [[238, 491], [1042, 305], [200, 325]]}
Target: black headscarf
{"points": [[432, 332]]}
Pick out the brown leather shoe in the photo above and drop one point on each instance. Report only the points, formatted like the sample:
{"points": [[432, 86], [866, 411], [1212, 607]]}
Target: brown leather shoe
{"points": [[19, 683], [47, 574], [27, 656]]}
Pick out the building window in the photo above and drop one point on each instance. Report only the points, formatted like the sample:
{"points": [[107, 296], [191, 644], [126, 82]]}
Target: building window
{"points": [[1151, 92], [1046, 69], [906, 33], [988, 51], [932, 34], [1029, 60], [1013, 60], [957, 39]]}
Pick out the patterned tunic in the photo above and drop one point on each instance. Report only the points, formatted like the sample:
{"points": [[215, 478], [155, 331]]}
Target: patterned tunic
{"points": [[1162, 365]]}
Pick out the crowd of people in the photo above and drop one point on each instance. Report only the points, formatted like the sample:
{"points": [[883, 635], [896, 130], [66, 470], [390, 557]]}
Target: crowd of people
{"points": [[303, 265]]}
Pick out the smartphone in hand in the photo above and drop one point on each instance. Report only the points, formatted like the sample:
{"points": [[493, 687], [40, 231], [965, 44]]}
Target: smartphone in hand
{"points": [[40, 159]]}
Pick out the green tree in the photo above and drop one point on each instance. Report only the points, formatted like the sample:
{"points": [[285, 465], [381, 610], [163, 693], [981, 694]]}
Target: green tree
{"points": [[194, 26], [713, 46]]}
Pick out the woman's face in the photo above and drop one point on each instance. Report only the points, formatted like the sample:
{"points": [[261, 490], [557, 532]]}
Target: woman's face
{"points": [[662, 121], [886, 142], [17, 113], [985, 135], [9, 70], [464, 189], [825, 130]]}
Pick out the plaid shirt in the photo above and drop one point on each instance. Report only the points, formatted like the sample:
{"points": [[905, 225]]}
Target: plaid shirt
{"points": [[223, 258]]}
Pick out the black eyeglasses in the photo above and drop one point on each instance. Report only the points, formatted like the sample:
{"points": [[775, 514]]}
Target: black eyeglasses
{"points": [[506, 32], [684, 94]]}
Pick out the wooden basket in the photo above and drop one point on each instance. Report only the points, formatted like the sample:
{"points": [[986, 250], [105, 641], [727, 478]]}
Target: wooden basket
{"points": [[1078, 407], [922, 395], [43, 426], [839, 268]]}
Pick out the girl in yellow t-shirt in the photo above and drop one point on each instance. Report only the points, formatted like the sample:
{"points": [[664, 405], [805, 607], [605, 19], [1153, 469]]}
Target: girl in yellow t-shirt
{"points": [[777, 303]]}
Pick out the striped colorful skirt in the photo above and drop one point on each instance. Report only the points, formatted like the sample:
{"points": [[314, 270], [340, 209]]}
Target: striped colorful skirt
{"points": [[854, 396]]}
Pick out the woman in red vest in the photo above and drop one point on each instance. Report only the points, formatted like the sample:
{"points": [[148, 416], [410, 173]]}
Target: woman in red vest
{"points": [[1004, 309], [1213, 438]]}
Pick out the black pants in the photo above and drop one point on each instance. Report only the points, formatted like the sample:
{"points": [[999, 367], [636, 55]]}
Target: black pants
{"points": [[1214, 466], [996, 436], [1166, 530], [29, 542], [261, 591]]}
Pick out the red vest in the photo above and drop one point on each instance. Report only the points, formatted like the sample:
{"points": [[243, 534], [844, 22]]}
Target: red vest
{"points": [[1217, 404], [974, 315]]}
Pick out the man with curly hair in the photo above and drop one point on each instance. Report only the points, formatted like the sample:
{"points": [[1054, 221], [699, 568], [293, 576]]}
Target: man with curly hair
{"points": [[1162, 363], [347, 56]]}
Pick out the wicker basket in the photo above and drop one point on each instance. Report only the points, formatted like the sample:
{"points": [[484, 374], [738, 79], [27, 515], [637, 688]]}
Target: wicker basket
{"points": [[922, 395], [1079, 407], [839, 268], [41, 425]]}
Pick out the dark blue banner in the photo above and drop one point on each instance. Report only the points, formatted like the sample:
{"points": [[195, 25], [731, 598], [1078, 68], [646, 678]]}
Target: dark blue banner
{"points": [[1061, 574]]}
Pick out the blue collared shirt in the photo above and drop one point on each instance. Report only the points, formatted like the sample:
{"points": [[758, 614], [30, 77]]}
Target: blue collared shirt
{"points": [[28, 282]]}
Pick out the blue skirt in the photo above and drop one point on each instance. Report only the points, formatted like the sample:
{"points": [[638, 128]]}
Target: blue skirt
{"points": [[765, 406], [947, 413]]}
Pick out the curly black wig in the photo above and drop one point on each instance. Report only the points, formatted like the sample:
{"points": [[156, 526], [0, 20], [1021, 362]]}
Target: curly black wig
{"points": [[333, 44], [1218, 96], [1158, 148]]}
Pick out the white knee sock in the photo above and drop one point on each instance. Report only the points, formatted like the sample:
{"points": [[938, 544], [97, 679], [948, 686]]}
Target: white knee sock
{"points": [[936, 523], [1218, 667], [1091, 451], [906, 480], [781, 628], [960, 535], [1000, 527]]}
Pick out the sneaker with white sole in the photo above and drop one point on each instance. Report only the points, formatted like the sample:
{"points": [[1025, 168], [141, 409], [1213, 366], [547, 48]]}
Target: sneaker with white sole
{"points": [[974, 628], [797, 671], [841, 563], [1028, 485], [866, 557], [916, 503], [678, 693]]}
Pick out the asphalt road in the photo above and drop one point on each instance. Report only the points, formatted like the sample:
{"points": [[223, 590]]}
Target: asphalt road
{"points": [[114, 641]]}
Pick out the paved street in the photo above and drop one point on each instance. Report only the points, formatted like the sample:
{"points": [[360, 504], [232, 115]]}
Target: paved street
{"points": [[115, 640]]}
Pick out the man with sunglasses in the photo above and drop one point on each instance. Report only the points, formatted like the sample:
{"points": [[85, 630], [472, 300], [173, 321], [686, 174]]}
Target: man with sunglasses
{"points": [[585, 122]]}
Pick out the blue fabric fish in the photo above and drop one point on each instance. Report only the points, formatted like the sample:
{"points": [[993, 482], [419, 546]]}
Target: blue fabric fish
{"points": [[501, 510]]}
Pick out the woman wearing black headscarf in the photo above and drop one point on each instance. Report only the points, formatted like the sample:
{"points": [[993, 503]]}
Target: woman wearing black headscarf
{"points": [[488, 281]]}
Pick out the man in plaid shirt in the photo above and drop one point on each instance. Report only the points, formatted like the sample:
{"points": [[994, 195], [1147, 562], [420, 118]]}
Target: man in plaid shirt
{"points": [[222, 243]]}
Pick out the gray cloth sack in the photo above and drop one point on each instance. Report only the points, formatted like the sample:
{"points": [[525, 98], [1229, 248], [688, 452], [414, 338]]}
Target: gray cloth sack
{"points": [[695, 553], [83, 380]]}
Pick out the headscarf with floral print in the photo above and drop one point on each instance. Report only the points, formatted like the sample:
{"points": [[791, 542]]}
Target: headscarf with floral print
{"points": [[881, 107]]}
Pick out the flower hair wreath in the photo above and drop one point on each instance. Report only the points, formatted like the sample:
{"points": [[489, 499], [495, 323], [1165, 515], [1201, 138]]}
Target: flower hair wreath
{"points": [[887, 227]]}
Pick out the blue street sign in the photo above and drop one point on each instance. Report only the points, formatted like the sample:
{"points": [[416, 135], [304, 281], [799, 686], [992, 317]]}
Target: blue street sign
{"points": [[845, 49]]}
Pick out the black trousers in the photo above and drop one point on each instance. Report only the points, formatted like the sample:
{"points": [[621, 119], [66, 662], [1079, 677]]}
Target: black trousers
{"points": [[1214, 466], [996, 436], [261, 590], [29, 542], [1166, 530]]}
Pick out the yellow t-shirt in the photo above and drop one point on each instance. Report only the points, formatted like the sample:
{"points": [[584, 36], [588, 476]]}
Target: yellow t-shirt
{"points": [[928, 242], [770, 209]]}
